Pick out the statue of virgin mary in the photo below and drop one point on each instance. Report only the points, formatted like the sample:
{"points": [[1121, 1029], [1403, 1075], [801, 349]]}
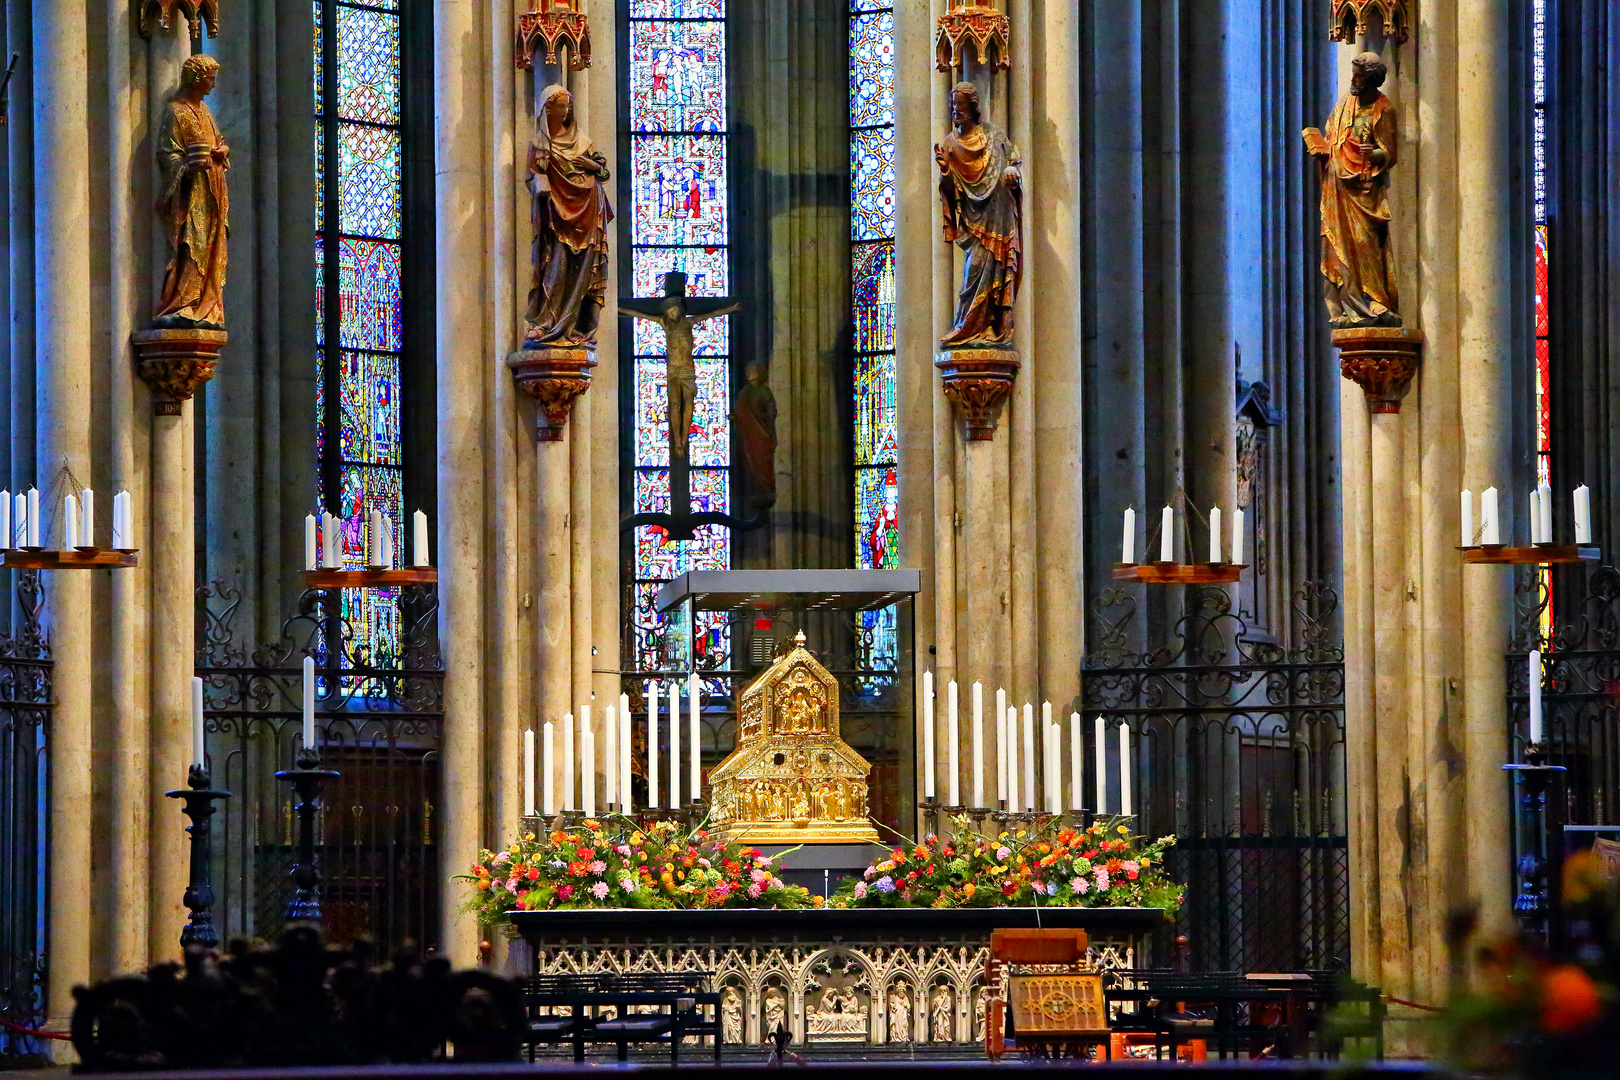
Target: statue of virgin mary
{"points": [[570, 211]]}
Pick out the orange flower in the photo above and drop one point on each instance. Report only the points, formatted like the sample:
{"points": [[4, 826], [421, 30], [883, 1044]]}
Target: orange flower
{"points": [[1569, 1000], [969, 889]]}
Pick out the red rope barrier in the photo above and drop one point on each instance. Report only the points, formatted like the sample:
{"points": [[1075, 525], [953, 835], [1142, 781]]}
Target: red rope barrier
{"points": [[1412, 1004], [31, 1033]]}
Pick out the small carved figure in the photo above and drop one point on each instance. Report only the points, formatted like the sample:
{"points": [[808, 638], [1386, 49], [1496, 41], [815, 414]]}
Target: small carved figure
{"points": [[677, 315], [775, 1008], [194, 203], [899, 1011], [940, 1012], [753, 417], [981, 1004], [570, 211], [800, 802], [731, 1019], [981, 195], [1356, 153]]}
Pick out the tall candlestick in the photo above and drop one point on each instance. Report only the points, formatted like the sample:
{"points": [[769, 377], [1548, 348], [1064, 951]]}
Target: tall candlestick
{"points": [[674, 744], [1013, 802], [198, 755], [1237, 538], [419, 545], [87, 518], [1054, 776], [928, 735], [548, 786], [309, 702], [1127, 547], [652, 745], [1544, 505], [1535, 517], [1102, 766], [568, 761], [528, 773], [1466, 516], [309, 539], [587, 776], [1167, 536], [1583, 515], [610, 759], [70, 523], [1003, 755], [1029, 757], [1214, 534], [1490, 527], [626, 802], [1125, 770], [953, 742], [5, 520], [33, 518], [1076, 743], [1535, 696], [694, 741]]}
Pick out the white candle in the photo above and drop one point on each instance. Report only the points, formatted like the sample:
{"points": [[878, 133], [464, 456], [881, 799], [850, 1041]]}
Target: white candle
{"points": [[70, 523], [387, 561], [1544, 504], [694, 741], [953, 742], [198, 756], [1076, 744], [419, 546], [978, 748], [528, 773], [1013, 802], [309, 702], [1583, 515], [1535, 696], [1125, 770], [1490, 528], [568, 761], [1467, 518], [548, 786], [374, 549], [1214, 534], [1127, 547], [1003, 755], [610, 761], [1029, 757], [328, 541], [33, 517], [1053, 778], [1102, 767], [5, 519], [19, 538], [928, 735], [1535, 517], [626, 802], [675, 744], [123, 532], [652, 745], [1237, 538], [309, 539], [587, 776], [87, 518], [1167, 536]]}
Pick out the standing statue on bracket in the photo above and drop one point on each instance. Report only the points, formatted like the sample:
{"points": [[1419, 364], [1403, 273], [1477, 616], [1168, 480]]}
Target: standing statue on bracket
{"points": [[981, 195], [570, 211], [194, 204], [677, 315], [1356, 153], [753, 418]]}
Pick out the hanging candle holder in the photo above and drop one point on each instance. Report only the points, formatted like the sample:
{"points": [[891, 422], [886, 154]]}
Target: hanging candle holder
{"points": [[20, 531], [1484, 544], [1219, 570], [323, 554]]}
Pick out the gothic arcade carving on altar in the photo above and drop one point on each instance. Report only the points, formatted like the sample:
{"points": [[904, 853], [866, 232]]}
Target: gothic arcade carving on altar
{"points": [[792, 778]]}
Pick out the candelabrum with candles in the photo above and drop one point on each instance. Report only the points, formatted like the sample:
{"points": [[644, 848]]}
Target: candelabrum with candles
{"points": [[1532, 904], [1485, 545], [20, 532], [197, 803], [1220, 569], [325, 557], [307, 780]]}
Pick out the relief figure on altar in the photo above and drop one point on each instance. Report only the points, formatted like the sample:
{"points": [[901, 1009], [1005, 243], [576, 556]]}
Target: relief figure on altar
{"points": [[570, 211], [1356, 153], [800, 801], [981, 196], [194, 203]]}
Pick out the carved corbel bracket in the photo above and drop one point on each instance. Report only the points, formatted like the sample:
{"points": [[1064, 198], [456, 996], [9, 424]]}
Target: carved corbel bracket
{"points": [[978, 380], [554, 377], [554, 23], [1348, 19], [161, 14], [1382, 360], [975, 22], [174, 363]]}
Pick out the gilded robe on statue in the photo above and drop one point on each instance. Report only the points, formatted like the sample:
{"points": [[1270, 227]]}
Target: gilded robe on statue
{"points": [[194, 203], [980, 195], [570, 212]]}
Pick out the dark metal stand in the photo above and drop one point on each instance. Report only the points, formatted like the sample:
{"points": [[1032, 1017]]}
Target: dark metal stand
{"points": [[307, 780], [929, 809], [198, 805], [1532, 904], [697, 812]]}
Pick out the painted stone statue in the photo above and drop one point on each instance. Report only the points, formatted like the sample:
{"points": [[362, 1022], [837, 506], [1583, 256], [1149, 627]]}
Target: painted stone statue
{"points": [[193, 204], [981, 196], [570, 211], [753, 418], [1356, 153]]}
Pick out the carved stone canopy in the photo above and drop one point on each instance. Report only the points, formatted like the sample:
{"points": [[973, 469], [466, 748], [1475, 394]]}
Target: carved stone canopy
{"points": [[1349, 19], [197, 12], [1382, 360], [975, 22], [554, 23]]}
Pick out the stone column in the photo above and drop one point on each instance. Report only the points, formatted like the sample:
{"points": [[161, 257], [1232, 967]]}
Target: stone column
{"points": [[62, 319]]}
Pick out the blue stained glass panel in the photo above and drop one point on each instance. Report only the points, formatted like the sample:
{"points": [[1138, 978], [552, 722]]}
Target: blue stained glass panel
{"points": [[678, 76], [368, 179], [369, 295], [871, 5], [871, 161], [320, 179], [874, 296], [709, 337], [678, 188], [871, 70], [875, 442], [652, 408], [677, 9], [371, 408], [320, 73], [320, 290], [367, 488], [705, 270], [877, 518], [368, 65]]}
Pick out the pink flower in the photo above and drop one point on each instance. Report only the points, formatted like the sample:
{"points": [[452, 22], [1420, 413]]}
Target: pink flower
{"points": [[497, 884], [1131, 866], [598, 866], [756, 875], [622, 849], [501, 858], [1038, 887], [860, 889], [600, 890], [763, 860], [1080, 885], [755, 889], [512, 884], [1102, 878]]}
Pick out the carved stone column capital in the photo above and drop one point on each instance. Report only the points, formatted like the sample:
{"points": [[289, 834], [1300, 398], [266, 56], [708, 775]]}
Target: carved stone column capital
{"points": [[1348, 19], [197, 12], [1382, 360], [174, 363], [554, 377], [978, 380]]}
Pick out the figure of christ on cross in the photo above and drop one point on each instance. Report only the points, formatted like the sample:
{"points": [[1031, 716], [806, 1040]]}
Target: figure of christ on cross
{"points": [[677, 314]]}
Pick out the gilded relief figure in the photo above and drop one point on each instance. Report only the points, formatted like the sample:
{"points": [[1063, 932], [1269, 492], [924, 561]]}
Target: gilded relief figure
{"points": [[194, 204], [1356, 153], [570, 210], [981, 196]]}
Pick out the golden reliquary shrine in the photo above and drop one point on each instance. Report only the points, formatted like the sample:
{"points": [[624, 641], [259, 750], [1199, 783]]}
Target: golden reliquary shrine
{"points": [[792, 778]]}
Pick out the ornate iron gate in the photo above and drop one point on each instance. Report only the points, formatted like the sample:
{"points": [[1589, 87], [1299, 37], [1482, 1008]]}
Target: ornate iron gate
{"points": [[1240, 754], [380, 724], [25, 710]]}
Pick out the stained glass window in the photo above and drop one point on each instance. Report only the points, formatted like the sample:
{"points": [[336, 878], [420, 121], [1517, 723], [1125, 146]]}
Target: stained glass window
{"points": [[358, 140], [679, 220], [1543, 380]]}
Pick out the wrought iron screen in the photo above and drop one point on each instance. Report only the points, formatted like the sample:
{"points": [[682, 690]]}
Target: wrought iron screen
{"points": [[380, 726], [25, 711], [1239, 752]]}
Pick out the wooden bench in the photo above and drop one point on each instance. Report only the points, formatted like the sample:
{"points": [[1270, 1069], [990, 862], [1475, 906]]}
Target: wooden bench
{"points": [[667, 1009]]}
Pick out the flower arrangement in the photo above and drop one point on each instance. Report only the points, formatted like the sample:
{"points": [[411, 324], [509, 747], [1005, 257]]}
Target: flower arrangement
{"points": [[617, 865], [1101, 866]]}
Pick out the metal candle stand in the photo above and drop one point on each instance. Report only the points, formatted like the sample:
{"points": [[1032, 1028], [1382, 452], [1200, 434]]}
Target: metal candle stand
{"points": [[1532, 904], [197, 803], [307, 781]]}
